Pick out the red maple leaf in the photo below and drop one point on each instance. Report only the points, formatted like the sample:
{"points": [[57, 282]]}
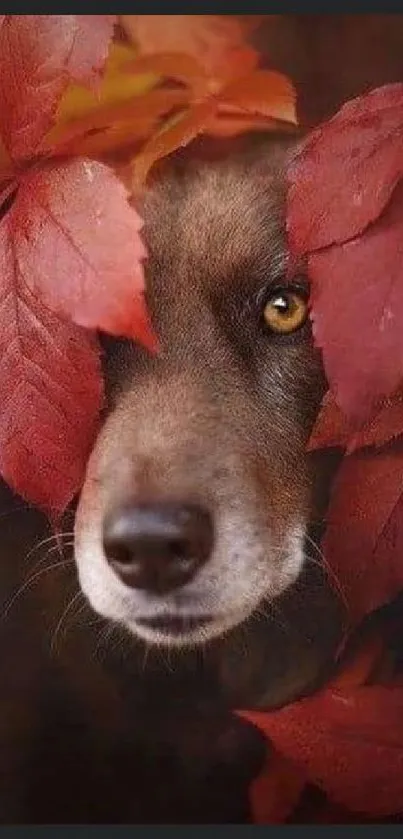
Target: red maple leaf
{"points": [[71, 257], [345, 171], [61, 226], [50, 378], [39, 56], [334, 429], [347, 742], [362, 336], [341, 183], [347, 739], [358, 542], [345, 216]]}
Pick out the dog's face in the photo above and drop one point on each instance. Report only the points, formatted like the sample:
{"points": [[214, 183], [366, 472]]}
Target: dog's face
{"points": [[199, 494]]}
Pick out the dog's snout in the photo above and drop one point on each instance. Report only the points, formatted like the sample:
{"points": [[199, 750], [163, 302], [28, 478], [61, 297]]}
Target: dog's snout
{"points": [[157, 547]]}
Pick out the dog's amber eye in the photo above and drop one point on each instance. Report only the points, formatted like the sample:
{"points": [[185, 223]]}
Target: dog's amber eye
{"points": [[285, 311]]}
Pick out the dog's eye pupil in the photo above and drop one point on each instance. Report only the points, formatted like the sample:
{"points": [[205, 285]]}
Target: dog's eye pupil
{"points": [[285, 311]]}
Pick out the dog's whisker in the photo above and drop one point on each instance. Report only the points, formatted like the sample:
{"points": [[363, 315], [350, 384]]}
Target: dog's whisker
{"points": [[65, 613], [145, 657], [28, 583], [81, 608], [49, 539], [163, 653], [244, 645], [324, 563], [270, 610], [105, 634], [52, 550]]}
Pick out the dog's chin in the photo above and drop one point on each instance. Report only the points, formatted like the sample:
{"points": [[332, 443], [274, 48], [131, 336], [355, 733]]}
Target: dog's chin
{"points": [[184, 631]]}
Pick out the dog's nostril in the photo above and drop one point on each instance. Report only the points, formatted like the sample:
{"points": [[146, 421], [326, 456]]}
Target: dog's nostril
{"points": [[158, 547]]}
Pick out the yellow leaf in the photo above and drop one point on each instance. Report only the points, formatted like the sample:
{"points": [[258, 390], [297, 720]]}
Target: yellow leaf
{"points": [[118, 85], [133, 118]]}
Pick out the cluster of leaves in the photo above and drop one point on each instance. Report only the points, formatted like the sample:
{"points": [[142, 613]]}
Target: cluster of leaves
{"points": [[71, 263], [71, 256], [345, 217], [345, 221]]}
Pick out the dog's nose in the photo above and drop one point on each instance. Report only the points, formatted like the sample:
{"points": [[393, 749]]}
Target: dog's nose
{"points": [[157, 547]]}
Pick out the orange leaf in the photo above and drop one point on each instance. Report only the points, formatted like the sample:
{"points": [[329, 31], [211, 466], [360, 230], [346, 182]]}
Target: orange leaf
{"points": [[138, 112], [233, 124], [173, 65], [188, 70], [113, 139], [178, 134], [209, 38], [264, 93], [241, 63]]}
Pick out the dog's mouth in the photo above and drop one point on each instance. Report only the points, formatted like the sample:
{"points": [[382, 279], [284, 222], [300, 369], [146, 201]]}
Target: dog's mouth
{"points": [[175, 625], [185, 630]]}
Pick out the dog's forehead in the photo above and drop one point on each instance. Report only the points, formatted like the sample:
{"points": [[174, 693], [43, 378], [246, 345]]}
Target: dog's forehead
{"points": [[214, 218]]}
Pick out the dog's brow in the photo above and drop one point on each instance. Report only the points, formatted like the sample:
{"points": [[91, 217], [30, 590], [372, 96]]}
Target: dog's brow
{"points": [[230, 222]]}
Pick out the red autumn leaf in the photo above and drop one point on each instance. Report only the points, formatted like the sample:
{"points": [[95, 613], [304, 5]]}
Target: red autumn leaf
{"points": [[214, 40], [51, 386], [70, 250], [359, 668], [387, 557], [276, 791], [346, 170], [76, 245], [39, 56], [357, 542], [362, 333], [347, 738], [333, 429], [347, 742]]}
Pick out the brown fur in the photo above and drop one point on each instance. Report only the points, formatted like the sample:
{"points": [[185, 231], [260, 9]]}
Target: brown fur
{"points": [[222, 415]]}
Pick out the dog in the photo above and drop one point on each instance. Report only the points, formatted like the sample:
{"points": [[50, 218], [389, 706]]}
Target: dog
{"points": [[200, 505], [197, 529]]}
